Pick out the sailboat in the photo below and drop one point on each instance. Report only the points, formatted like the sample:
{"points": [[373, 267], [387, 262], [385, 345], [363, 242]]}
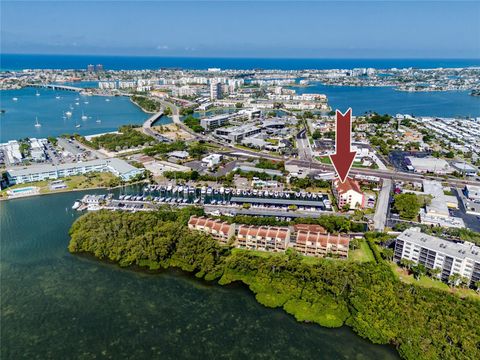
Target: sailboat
{"points": [[14, 99], [57, 97], [37, 93], [68, 113], [37, 124], [98, 120], [84, 117]]}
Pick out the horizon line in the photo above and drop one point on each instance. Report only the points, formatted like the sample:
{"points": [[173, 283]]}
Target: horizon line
{"points": [[250, 57]]}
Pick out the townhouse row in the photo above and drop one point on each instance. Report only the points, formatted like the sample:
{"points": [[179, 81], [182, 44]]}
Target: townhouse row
{"points": [[307, 239]]}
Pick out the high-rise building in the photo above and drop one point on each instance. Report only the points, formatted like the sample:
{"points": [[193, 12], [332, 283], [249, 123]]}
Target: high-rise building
{"points": [[435, 253], [90, 68], [99, 68], [215, 90]]}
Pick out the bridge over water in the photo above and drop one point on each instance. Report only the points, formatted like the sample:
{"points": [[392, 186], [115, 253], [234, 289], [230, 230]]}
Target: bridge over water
{"points": [[57, 87]]}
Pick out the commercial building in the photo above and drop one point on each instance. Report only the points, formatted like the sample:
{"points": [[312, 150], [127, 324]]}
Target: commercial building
{"points": [[472, 192], [221, 231], [348, 193], [428, 164], [214, 121], [435, 253], [212, 160], [21, 175], [236, 134], [436, 212]]}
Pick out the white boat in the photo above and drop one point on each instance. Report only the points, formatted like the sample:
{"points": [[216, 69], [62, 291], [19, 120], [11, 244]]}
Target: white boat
{"points": [[78, 125], [76, 205], [77, 103], [85, 102], [15, 99], [57, 97], [68, 113], [77, 98], [37, 93], [84, 117], [98, 121], [107, 100], [37, 124]]}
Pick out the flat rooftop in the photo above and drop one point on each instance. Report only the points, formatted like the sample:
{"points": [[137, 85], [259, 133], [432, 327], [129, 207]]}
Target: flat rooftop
{"points": [[242, 199], [458, 250]]}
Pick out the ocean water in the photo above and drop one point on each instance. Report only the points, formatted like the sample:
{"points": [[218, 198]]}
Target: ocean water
{"points": [[18, 121], [388, 100], [23, 61], [55, 305]]}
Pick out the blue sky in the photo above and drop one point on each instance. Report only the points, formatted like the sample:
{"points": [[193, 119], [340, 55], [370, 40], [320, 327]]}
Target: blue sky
{"points": [[361, 29]]}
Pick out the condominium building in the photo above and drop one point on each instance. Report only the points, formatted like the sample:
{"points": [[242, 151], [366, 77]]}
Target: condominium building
{"points": [[121, 168], [220, 230], [307, 239], [312, 240], [432, 252], [267, 238], [348, 193]]}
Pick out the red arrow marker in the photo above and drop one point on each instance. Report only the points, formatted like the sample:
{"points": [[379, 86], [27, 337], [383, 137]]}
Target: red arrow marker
{"points": [[343, 158]]}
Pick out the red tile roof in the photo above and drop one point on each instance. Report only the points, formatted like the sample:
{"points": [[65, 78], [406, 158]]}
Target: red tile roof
{"points": [[349, 184]]}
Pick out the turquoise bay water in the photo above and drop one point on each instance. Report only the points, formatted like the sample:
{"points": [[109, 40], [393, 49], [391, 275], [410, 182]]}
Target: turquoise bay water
{"points": [[58, 306], [18, 121], [388, 100]]}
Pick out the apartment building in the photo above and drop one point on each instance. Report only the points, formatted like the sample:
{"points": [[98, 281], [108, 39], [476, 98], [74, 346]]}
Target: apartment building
{"points": [[313, 240], [307, 239], [432, 252], [120, 168], [266, 238], [348, 193], [220, 230]]}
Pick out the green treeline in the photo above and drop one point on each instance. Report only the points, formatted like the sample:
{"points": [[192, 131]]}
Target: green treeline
{"points": [[422, 323], [146, 103], [129, 137]]}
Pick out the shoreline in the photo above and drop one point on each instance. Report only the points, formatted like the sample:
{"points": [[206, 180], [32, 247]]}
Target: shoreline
{"points": [[67, 191]]}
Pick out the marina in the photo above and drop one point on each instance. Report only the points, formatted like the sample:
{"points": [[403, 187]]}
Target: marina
{"points": [[224, 199]]}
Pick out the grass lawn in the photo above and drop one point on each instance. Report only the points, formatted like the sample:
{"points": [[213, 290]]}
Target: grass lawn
{"points": [[428, 282], [325, 160], [362, 254]]}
